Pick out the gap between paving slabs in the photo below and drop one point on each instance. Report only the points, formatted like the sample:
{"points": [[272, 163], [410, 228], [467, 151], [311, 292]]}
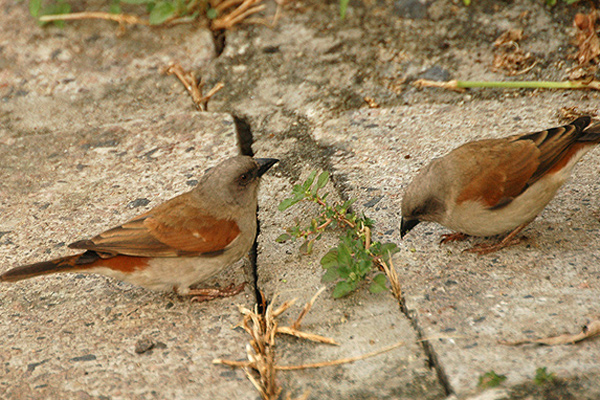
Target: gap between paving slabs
{"points": [[245, 141], [261, 323], [396, 289]]}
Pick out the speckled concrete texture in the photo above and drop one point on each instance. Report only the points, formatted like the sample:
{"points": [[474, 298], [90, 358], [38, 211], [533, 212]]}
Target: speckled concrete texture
{"points": [[542, 287], [361, 323], [92, 133], [74, 336]]}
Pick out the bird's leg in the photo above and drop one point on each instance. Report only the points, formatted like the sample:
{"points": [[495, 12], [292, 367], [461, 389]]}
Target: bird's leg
{"points": [[213, 293], [453, 237], [509, 240]]}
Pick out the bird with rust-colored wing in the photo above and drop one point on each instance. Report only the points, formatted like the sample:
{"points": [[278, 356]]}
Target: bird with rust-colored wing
{"points": [[494, 186], [179, 243]]}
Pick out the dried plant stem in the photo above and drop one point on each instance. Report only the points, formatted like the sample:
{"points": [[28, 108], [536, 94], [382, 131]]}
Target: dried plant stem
{"points": [[245, 9], [306, 309], [339, 361], [392, 275], [460, 86], [304, 335], [120, 18], [190, 82]]}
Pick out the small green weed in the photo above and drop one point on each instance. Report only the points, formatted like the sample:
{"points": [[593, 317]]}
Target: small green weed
{"points": [[490, 380], [37, 9], [549, 3], [352, 260], [542, 376], [159, 11], [162, 11]]}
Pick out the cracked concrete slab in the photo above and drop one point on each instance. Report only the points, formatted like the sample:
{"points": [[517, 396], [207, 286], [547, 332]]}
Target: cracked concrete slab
{"points": [[91, 131], [86, 143], [540, 288], [361, 323], [75, 335]]}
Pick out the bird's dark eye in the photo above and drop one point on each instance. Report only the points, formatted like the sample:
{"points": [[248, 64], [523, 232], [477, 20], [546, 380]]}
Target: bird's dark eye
{"points": [[244, 178]]}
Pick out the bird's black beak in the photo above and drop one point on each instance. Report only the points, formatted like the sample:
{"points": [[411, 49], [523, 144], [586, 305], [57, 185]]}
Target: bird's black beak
{"points": [[406, 225], [264, 164]]}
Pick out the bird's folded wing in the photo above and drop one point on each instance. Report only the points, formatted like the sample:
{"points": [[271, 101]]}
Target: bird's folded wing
{"points": [[513, 164], [557, 145], [501, 171], [175, 228]]}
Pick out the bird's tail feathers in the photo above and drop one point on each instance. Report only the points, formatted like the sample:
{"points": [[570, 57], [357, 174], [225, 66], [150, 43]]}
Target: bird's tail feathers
{"points": [[74, 263], [591, 133]]}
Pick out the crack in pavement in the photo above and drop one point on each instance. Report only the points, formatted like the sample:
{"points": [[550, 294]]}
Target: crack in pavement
{"points": [[342, 187], [245, 140]]}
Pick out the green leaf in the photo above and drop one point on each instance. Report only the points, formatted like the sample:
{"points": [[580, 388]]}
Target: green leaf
{"points": [[467, 2], [364, 266], [330, 276], [35, 7], [344, 256], [348, 203], [344, 272], [323, 179], [138, 1], [330, 259], [286, 203], [490, 379], [309, 181], [343, 8], [307, 246], [378, 284], [56, 9], [386, 250], [341, 289], [321, 182], [284, 237], [115, 8], [161, 12], [542, 376], [212, 13]]}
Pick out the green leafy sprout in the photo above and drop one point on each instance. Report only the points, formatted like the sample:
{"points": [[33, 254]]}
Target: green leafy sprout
{"points": [[160, 11], [542, 376], [356, 255], [549, 3], [38, 9], [490, 380]]}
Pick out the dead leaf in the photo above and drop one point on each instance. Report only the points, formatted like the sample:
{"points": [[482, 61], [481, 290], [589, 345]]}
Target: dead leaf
{"points": [[509, 37], [508, 55], [589, 331], [587, 39]]}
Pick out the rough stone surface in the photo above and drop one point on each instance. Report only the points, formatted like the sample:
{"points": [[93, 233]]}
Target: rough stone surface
{"points": [[543, 287], [93, 133], [361, 323]]}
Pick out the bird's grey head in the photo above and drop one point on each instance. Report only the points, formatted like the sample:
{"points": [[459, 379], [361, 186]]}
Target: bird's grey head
{"points": [[422, 199], [235, 180]]}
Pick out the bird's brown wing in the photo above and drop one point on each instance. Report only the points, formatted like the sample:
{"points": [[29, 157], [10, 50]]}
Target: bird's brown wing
{"points": [[557, 145], [175, 228], [501, 169], [498, 170]]}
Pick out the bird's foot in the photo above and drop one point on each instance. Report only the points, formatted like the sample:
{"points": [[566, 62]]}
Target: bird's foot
{"points": [[486, 248], [207, 294], [453, 237]]}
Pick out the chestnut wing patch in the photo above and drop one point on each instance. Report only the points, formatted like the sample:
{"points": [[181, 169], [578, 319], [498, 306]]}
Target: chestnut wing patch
{"points": [[172, 229], [201, 234], [500, 172]]}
